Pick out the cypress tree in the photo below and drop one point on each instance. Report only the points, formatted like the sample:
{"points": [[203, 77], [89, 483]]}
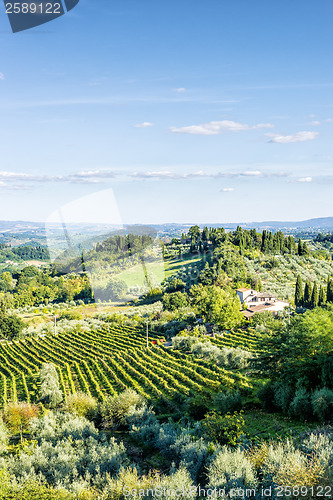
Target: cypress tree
{"points": [[307, 294], [314, 296], [305, 249], [299, 295], [330, 290], [322, 296], [300, 247]]}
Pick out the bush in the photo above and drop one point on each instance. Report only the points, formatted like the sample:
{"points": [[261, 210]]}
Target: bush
{"points": [[225, 429], [174, 301], [4, 436], [50, 393], [184, 343], [322, 403], [301, 406], [282, 396], [225, 402], [19, 415], [68, 452], [230, 470], [115, 408], [81, 404], [71, 315], [266, 396], [205, 351], [285, 465]]}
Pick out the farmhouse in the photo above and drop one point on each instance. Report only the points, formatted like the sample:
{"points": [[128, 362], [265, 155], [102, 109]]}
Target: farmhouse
{"points": [[258, 302]]}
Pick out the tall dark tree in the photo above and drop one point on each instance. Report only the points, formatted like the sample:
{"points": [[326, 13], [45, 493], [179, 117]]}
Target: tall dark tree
{"points": [[307, 294], [299, 294], [300, 247], [315, 296], [322, 296], [330, 290]]}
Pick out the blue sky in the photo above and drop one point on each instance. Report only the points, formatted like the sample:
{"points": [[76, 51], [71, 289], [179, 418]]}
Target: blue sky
{"points": [[188, 110]]}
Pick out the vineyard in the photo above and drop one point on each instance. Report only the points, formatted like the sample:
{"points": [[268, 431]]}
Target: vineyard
{"points": [[105, 362], [238, 338]]}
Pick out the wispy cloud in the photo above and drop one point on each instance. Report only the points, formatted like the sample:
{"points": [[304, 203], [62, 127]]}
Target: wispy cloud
{"points": [[2, 76], [227, 190], [169, 174], [298, 137], [218, 127], [316, 123], [144, 125], [305, 179], [84, 177], [252, 173], [180, 90]]}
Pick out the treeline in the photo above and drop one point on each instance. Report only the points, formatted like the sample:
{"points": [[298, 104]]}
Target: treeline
{"points": [[33, 286], [245, 239], [310, 296], [322, 238], [21, 253], [118, 248], [130, 243], [297, 356]]}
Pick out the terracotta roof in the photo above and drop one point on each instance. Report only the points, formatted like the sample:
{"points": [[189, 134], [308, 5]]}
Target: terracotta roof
{"points": [[259, 308], [265, 294]]}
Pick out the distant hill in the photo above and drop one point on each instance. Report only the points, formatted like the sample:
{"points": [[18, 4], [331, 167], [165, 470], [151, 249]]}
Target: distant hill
{"points": [[25, 231]]}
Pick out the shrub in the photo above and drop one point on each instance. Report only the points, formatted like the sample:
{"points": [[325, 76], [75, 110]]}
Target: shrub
{"points": [[81, 404], [4, 435], [285, 465], [174, 301], [115, 408], [225, 429], [205, 351], [322, 403], [19, 415], [184, 343], [266, 396], [225, 402], [71, 315], [230, 470], [282, 396], [68, 452], [50, 393], [301, 405]]}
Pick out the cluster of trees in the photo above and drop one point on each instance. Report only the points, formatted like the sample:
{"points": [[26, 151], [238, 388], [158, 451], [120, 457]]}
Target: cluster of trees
{"points": [[212, 303], [23, 252], [298, 358], [310, 296], [33, 286], [244, 239], [118, 249], [11, 326]]}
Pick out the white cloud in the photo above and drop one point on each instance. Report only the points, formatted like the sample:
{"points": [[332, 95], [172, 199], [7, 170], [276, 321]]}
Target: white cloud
{"points": [[227, 190], [180, 90], [315, 122], [218, 127], [2, 76], [329, 120], [298, 137], [312, 116], [305, 179], [253, 173], [144, 125]]}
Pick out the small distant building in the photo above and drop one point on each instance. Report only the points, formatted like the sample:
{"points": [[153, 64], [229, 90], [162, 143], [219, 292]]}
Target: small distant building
{"points": [[257, 302]]}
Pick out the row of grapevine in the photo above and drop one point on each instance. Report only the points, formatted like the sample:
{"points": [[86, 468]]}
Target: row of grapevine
{"points": [[106, 361]]}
